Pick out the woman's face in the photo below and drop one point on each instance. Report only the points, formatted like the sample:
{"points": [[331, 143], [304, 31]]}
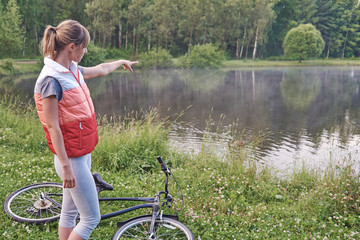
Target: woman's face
{"points": [[78, 53]]}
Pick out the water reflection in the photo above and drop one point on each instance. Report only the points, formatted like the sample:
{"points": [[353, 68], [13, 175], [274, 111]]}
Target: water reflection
{"points": [[312, 113]]}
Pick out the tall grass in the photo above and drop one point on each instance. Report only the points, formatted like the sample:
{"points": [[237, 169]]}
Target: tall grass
{"points": [[131, 143], [18, 124], [228, 198]]}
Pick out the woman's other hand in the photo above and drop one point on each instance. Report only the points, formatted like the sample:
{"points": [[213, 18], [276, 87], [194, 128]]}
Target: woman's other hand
{"points": [[68, 177]]}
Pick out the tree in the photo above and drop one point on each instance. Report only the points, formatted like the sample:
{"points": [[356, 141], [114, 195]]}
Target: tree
{"points": [[190, 19], [349, 26], [121, 8], [103, 19], [162, 19], [303, 42], [11, 32], [264, 15], [289, 14], [136, 16], [327, 23]]}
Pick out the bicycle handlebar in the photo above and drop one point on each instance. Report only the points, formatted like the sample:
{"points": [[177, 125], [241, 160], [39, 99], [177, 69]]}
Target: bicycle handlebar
{"points": [[168, 173]]}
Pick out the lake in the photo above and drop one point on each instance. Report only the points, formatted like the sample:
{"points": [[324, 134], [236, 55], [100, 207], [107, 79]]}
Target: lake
{"points": [[308, 114]]}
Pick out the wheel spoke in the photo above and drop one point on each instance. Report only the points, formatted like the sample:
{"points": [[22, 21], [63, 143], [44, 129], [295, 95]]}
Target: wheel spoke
{"points": [[28, 205], [164, 229]]}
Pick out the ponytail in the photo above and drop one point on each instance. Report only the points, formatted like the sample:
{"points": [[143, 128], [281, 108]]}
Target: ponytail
{"points": [[49, 42], [56, 38]]}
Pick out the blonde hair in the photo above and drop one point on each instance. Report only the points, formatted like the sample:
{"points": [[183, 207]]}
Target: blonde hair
{"points": [[56, 38]]}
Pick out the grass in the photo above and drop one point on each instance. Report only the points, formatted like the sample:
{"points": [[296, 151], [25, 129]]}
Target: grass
{"points": [[265, 63], [24, 66], [230, 199], [19, 66]]}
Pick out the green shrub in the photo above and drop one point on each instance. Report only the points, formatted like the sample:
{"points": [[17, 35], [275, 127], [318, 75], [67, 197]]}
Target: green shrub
{"points": [[155, 59], [115, 53], [203, 56], [95, 56], [8, 65]]}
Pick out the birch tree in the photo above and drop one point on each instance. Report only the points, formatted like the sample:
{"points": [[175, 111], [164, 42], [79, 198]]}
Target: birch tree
{"points": [[264, 16]]}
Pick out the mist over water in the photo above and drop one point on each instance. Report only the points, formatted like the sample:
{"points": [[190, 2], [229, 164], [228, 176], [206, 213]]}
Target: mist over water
{"points": [[309, 114]]}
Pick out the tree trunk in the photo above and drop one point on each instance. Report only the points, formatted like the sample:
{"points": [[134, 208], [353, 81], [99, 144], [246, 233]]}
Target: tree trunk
{"points": [[36, 35], [149, 40], [242, 44], [191, 33], [126, 39], [120, 29], [157, 41], [256, 42], [237, 48], [134, 38], [94, 36], [104, 40], [346, 36], [328, 49], [247, 49], [204, 40], [137, 44]]}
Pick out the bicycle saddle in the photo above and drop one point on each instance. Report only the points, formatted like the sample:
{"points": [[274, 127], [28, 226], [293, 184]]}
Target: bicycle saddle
{"points": [[100, 183]]}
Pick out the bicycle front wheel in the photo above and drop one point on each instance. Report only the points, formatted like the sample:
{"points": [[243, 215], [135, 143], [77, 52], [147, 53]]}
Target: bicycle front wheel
{"points": [[36, 203], [166, 228]]}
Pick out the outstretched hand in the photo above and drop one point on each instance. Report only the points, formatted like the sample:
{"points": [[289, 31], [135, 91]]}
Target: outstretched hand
{"points": [[128, 65]]}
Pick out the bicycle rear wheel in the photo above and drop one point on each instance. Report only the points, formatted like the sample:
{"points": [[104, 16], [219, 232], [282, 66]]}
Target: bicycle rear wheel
{"points": [[166, 228], [37, 203]]}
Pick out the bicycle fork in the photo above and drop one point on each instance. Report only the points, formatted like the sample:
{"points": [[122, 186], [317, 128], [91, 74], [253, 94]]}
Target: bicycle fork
{"points": [[155, 214]]}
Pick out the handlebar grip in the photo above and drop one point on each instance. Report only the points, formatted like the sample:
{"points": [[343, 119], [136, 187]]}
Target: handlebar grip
{"points": [[160, 160], [162, 164]]}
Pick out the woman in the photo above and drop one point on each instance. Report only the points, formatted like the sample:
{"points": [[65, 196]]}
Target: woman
{"points": [[67, 114]]}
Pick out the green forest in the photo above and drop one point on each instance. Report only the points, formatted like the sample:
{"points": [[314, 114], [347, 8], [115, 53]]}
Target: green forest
{"points": [[253, 29]]}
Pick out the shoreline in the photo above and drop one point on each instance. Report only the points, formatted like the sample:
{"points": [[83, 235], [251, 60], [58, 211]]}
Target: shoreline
{"points": [[25, 66]]}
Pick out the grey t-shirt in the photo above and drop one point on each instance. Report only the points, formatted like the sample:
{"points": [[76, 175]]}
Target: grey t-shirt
{"points": [[51, 87]]}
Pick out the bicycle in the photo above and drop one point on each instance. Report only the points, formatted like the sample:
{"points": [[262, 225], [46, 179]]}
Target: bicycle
{"points": [[41, 203]]}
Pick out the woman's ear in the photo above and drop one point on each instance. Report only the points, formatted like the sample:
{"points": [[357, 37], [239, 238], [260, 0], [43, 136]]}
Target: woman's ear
{"points": [[71, 47]]}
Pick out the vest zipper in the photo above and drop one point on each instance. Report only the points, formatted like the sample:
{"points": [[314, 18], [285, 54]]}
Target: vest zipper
{"points": [[80, 141]]}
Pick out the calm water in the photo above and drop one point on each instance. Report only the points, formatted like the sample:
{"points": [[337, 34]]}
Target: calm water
{"points": [[309, 114]]}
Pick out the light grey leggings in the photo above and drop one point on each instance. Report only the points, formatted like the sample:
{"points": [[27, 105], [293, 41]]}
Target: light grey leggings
{"points": [[82, 198]]}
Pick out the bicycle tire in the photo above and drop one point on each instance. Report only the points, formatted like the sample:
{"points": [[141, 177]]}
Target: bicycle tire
{"points": [[166, 228], [24, 205]]}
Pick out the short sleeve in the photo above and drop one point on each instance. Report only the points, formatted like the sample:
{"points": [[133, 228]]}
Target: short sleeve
{"points": [[81, 69], [51, 87]]}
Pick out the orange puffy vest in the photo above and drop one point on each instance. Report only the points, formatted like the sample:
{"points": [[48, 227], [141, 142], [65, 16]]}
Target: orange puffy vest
{"points": [[76, 110]]}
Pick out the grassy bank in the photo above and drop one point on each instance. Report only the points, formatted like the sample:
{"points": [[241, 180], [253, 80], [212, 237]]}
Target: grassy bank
{"points": [[233, 199], [19, 66], [265, 63], [24, 66]]}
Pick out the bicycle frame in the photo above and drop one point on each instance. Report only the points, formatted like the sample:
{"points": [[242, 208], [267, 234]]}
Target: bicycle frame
{"points": [[155, 201], [128, 199]]}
